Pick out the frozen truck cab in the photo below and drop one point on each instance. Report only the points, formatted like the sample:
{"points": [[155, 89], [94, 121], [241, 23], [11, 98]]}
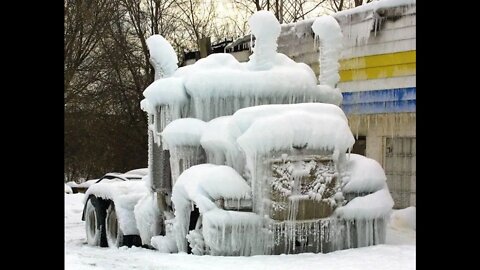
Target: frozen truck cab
{"points": [[252, 158]]}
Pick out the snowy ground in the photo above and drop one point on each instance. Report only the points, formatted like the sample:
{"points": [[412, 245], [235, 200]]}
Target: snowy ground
{"points": [[398, 253]]}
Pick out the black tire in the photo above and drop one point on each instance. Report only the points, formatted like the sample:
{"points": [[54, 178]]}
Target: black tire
{"points": [[95, 223], [115, 237]]}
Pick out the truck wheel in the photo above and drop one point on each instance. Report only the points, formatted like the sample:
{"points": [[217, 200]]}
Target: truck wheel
{"points": [[114, 233], [93, 226]]}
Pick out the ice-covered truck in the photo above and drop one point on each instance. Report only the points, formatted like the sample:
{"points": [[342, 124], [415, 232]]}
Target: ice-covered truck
{"points": [[248, 158]]}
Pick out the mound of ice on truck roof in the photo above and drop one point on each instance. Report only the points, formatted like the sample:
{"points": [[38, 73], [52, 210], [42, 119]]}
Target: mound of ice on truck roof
{"points": [[221, 75], [219, 84]]}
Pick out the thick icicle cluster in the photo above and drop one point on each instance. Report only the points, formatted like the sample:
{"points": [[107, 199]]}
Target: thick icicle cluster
{"points": [[162, 56], [328, 31], [266, 29]]}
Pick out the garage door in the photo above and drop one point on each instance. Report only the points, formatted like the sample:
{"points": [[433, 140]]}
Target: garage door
{"points": [[400, 168]]}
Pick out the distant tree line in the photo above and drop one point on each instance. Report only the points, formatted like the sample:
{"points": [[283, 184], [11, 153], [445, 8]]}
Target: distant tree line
{"points": [[106, 69]]}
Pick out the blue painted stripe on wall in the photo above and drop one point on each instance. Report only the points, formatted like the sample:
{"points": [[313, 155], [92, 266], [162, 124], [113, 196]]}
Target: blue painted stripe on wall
{"points": [[380, 101]]}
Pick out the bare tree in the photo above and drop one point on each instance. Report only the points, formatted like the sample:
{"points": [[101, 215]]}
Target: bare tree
{"points": [[84, 25], [286, 11], [106, 70], [197, 20]]}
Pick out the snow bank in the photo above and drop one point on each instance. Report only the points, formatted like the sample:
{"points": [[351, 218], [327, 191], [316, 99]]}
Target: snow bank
{"points": [[185, 131], [164, 244], [165, 91], [125, 194], [202, 184], [162, 56], [363, 175], [404, 218], [392, 256], [371, 206]]}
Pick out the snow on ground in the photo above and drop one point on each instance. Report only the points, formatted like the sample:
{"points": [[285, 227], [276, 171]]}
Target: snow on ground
{"points": [[398, 253]]}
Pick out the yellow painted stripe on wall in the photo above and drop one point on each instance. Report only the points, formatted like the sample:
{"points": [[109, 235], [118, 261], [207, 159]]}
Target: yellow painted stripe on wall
{"points": [[379, 60], [378, 72]]}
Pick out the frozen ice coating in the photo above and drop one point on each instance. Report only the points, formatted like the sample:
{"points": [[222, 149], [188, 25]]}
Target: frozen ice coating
{"points": [[360, 32], [245, 117], [328, 31], [162, 92], [214, 61], [162, 56], [125, 195], [364, 175], [211, 182], [184, 131], [330, 95], [375, 5], [227, 81], [266, 29], [372, 206], [201, 184], [146, 217], [220, 143], [245, 236], [218, 90], [297, 129], [219, 85]]}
